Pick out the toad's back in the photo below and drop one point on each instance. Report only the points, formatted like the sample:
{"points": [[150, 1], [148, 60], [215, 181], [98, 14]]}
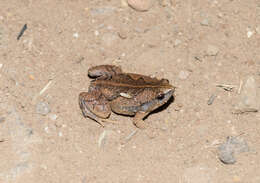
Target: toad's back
{"points": [[130, 80], [130, 84]]}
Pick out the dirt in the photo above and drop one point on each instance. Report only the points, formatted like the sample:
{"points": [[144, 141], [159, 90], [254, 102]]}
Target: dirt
{"points": [[197, 45]]}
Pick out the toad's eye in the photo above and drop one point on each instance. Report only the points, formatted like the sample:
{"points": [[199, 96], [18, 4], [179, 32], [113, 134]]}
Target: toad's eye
{"points": [[165, 81], [160, 96]]}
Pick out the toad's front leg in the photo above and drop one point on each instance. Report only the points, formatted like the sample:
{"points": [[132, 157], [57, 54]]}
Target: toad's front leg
{"points": [[94, 105], [138, 119]]}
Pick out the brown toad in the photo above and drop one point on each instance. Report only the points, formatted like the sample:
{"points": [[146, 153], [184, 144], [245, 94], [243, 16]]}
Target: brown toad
{"points": [[123, 93]]}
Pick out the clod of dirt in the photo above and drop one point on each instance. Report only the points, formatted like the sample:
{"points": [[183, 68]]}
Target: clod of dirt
{"points": [[248, 99], [122, 33], [140, 5], [43, 108], [233, 145]]}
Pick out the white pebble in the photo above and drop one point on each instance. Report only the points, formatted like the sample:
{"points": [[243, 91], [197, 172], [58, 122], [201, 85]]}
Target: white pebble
{"points": [[249, 33], [46, 129], [75, 35], [96, 33]]}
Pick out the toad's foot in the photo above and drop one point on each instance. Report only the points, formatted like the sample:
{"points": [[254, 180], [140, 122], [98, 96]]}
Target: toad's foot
{"points": [[138, 120]]}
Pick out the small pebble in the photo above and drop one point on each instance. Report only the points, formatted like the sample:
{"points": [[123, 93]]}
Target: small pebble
{"points": [[53, 117], [60, 134], [183, 75], [96, 33], [75, 35], [43, 108], [212, 50], [140, 5], [46, 129], [122, 34], [249, 33]]}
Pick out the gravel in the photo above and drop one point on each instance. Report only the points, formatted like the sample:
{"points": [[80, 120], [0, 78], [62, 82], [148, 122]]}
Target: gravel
{"points": [[233, 146]]}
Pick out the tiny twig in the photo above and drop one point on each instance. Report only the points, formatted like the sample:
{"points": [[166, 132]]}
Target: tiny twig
{"points": [[22, 31], [42, 91], [240, 86], [45, 87], [102, 138]]}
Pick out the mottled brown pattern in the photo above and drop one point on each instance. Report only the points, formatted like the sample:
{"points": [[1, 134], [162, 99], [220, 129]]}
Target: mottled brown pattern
{"points": [[123, 93]]}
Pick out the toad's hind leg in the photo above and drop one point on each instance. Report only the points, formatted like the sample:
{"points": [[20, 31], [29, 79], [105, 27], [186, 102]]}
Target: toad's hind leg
{"points": [[138, 120], [94, 106], [104, 71]]}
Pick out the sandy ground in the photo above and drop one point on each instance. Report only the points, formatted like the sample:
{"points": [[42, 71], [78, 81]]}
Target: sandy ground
{"points": [[195, 44]]}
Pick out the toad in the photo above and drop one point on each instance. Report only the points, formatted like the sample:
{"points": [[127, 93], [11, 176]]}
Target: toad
{"points": [[123, 93]]}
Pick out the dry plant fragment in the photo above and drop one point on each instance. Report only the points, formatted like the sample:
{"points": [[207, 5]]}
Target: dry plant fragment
{"points": [[211, 99], [226, 87]]}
